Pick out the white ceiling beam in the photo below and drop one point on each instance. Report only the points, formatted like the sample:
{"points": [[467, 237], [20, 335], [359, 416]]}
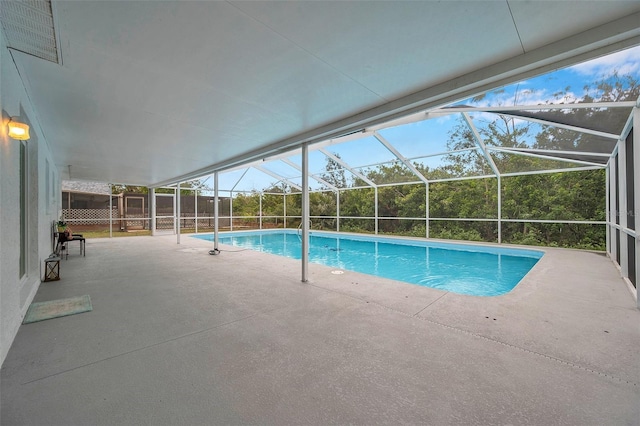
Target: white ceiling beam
{"points": [[565, 126], [239, 179], [316, 178], [557, 151], [342, 163], [542, 172], [400, 157], [546, 157], [277, 176], [454, 109], [480, 143]]}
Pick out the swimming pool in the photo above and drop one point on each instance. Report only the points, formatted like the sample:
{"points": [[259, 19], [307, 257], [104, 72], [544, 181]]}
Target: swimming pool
{"points": [[460, 268]]}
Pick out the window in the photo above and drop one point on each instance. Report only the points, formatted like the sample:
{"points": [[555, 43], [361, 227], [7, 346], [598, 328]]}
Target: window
{"points": [[23, 208], [47, 183]]}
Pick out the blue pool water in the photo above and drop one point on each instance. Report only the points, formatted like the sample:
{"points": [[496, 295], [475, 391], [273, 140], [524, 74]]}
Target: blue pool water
{"points": [[459, 268]]}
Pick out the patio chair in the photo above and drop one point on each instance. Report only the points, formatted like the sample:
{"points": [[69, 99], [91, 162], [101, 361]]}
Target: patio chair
{"points": [[62, 248]]}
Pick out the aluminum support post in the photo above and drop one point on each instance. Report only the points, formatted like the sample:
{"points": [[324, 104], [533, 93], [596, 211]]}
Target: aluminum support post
{"points": [[110, 210], [338, 211], [426, 210], [622, 208], [230, 210], [636, 193], [215, 212], [152, 210], [305, 213], [178, 213], [499, 210], [613, 165], [260, 209], [375, 209], [607, 216], [195, 202]]}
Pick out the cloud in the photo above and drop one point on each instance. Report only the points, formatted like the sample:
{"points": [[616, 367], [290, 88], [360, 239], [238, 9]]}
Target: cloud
{"points": [[525, 96], [625, 62], [564, 85]]}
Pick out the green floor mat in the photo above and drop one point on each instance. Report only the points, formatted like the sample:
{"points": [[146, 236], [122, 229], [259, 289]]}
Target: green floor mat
{"points": [[41, 311]]}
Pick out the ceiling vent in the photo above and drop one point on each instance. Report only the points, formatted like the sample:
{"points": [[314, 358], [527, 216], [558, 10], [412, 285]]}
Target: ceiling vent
{"points": [[28, 27]]}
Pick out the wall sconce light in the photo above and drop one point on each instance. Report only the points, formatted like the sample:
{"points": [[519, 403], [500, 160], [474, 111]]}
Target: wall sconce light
{"points": [[18, 130]]}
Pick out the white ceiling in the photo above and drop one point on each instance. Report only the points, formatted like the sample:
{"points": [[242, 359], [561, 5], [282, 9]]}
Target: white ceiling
{"points": [[153, 92]]}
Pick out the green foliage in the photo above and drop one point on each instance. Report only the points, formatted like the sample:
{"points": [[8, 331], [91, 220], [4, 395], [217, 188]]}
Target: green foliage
{"points": [[322, 204], [363, 226], [247, 204], [334, 174], [357, 202], [272, 204], [456, 231], [527, 198], [294, 205], [574, 196], [569, 235]]}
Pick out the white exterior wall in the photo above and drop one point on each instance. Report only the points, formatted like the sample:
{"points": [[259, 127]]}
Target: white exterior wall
{"points": [[43, 204]]}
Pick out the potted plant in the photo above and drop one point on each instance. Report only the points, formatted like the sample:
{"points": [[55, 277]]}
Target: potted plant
{"points": [[62, 225]]}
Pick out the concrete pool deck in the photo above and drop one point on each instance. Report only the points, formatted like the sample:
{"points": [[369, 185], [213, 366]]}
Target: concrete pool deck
{"points": [[177, 336]]}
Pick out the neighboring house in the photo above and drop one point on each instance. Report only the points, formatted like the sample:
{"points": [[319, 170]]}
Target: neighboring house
{"points": [[85, 195], [86, 204]]}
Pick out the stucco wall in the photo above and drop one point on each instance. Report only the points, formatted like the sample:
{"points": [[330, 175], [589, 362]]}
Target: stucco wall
{"points": [[16, 293]]}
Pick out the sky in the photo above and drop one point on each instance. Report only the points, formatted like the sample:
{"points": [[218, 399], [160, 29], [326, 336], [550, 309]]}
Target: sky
{"points": [[430, 137]]}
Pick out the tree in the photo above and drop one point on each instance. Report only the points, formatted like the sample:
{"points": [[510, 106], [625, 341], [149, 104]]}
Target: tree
{"points": [[554, 196], [247, 204], [334, 173], [616, 88]]}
